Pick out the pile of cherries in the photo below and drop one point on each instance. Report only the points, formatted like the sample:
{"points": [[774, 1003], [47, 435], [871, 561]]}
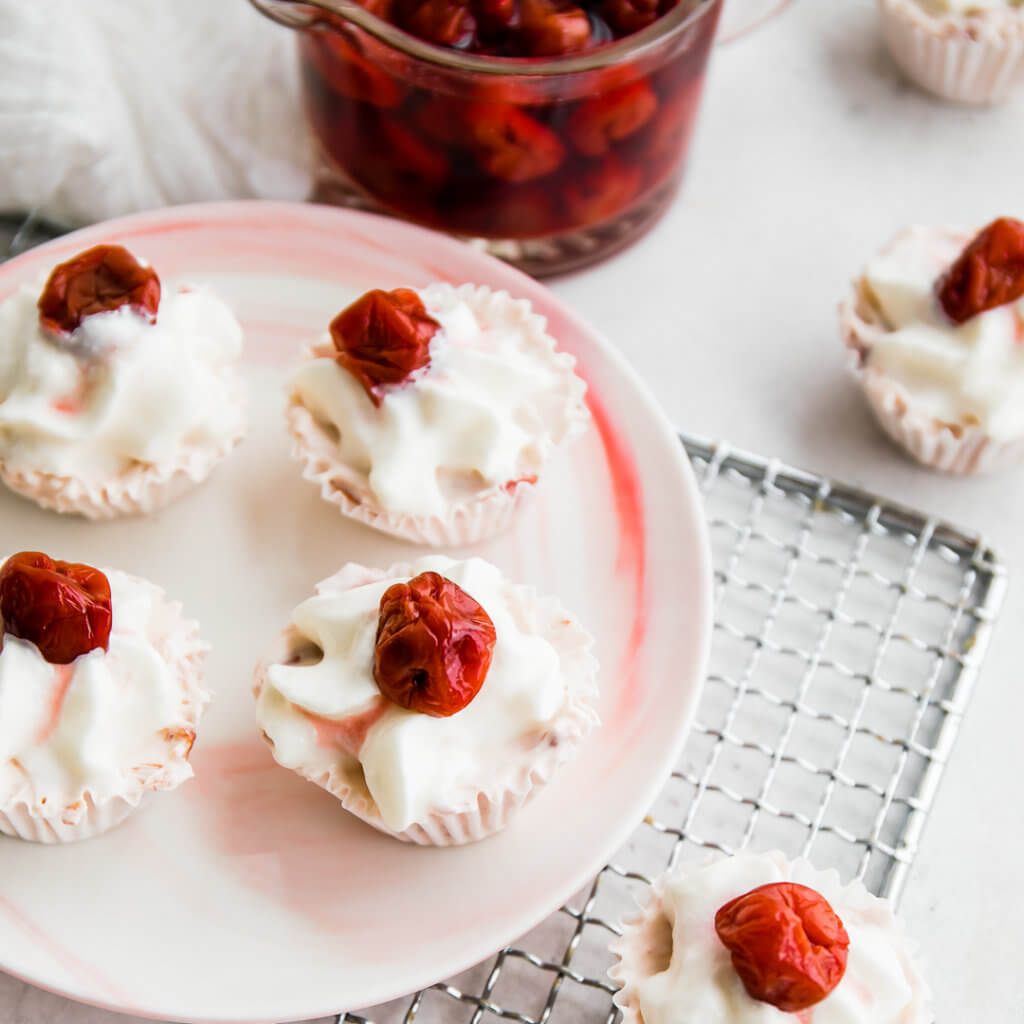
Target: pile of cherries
{"points": [[520, 28], [504, 156]]}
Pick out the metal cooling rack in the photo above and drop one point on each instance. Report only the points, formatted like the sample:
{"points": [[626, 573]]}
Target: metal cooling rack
{"points": [[848, 636]]}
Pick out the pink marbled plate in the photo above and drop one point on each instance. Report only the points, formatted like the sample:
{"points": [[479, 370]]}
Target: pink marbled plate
{"points": [[248, 894]]}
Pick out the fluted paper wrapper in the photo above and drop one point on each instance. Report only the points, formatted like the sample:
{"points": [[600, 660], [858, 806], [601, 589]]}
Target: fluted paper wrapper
{"points": [[486, 514], [974, 59], [644, 948], [529, 769], [177, 640], [138, 491], [949, 447]]}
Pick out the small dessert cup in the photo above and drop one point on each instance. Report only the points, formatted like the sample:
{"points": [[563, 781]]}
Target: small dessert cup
{"points": [[82, 753], [543, 415], [439, 781], [975, 58]]}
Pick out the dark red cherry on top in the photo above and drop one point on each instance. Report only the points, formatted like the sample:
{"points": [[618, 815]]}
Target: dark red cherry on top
{"points": [[434, 645], [383, 338], [787, 944], [61, 607], [101, 279], [989, 272]]}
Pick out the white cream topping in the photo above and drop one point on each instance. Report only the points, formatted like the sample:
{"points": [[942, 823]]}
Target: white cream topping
{"points": [[94, 724], [961, 375], [413, 763], [487, 410], [700, 986], [120, 390]]}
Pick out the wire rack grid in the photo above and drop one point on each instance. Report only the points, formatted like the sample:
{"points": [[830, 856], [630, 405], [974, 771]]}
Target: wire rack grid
{"points": [[848, 636]]}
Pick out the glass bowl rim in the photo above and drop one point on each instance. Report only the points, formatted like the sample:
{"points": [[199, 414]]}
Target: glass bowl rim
{"points": [[308, 14]]}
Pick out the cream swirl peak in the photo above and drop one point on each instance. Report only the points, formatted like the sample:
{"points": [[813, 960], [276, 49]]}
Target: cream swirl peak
{"points": [[119, 390]]}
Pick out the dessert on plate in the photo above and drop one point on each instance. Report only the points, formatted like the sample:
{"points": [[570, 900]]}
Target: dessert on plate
{"points": [[100, 695], [432, 700], [936, 327], [430, 413], [969, 51], [115, 394], [759, 939]]}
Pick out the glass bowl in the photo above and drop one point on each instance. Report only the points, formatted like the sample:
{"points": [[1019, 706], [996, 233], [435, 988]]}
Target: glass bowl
{"points": [[549, 163]]}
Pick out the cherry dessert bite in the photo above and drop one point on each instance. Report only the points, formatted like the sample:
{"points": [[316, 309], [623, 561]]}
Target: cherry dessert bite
{"points": [[100, 696], [432, 700], [117, 393], [430, 413], [967, 51], [935, 324], [760, 939]]}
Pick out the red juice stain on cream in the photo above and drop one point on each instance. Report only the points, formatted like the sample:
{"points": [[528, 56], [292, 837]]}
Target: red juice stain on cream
{"points": [[631, 559], [349, 734], [62, 676], [73, 403]]}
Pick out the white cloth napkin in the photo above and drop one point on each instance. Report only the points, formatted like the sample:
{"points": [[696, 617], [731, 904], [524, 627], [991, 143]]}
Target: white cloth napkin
{"points": [[111, 106]]}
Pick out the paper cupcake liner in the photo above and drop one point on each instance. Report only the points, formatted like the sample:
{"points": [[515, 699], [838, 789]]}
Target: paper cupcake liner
{"points": [[949, 447], [642, 950], [499, 799], [478, 518], [645, 946], [143, 489], [177, 640], [977, 59]]}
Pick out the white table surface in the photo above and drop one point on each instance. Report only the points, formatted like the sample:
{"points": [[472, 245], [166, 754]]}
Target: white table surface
{"points": [[811, 152]]}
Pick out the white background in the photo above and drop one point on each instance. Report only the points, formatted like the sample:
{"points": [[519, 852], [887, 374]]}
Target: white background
{"points": [[811, 152]]}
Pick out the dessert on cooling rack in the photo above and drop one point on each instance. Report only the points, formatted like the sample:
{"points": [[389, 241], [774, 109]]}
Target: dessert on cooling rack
{"points": [[430, 413], [759, 939], [432, 700], [970, 51], [936, 324], [115, 395], [100, 695]]}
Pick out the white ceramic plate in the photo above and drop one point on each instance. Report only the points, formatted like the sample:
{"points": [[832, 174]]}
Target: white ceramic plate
{"points": [[248, 894]]}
